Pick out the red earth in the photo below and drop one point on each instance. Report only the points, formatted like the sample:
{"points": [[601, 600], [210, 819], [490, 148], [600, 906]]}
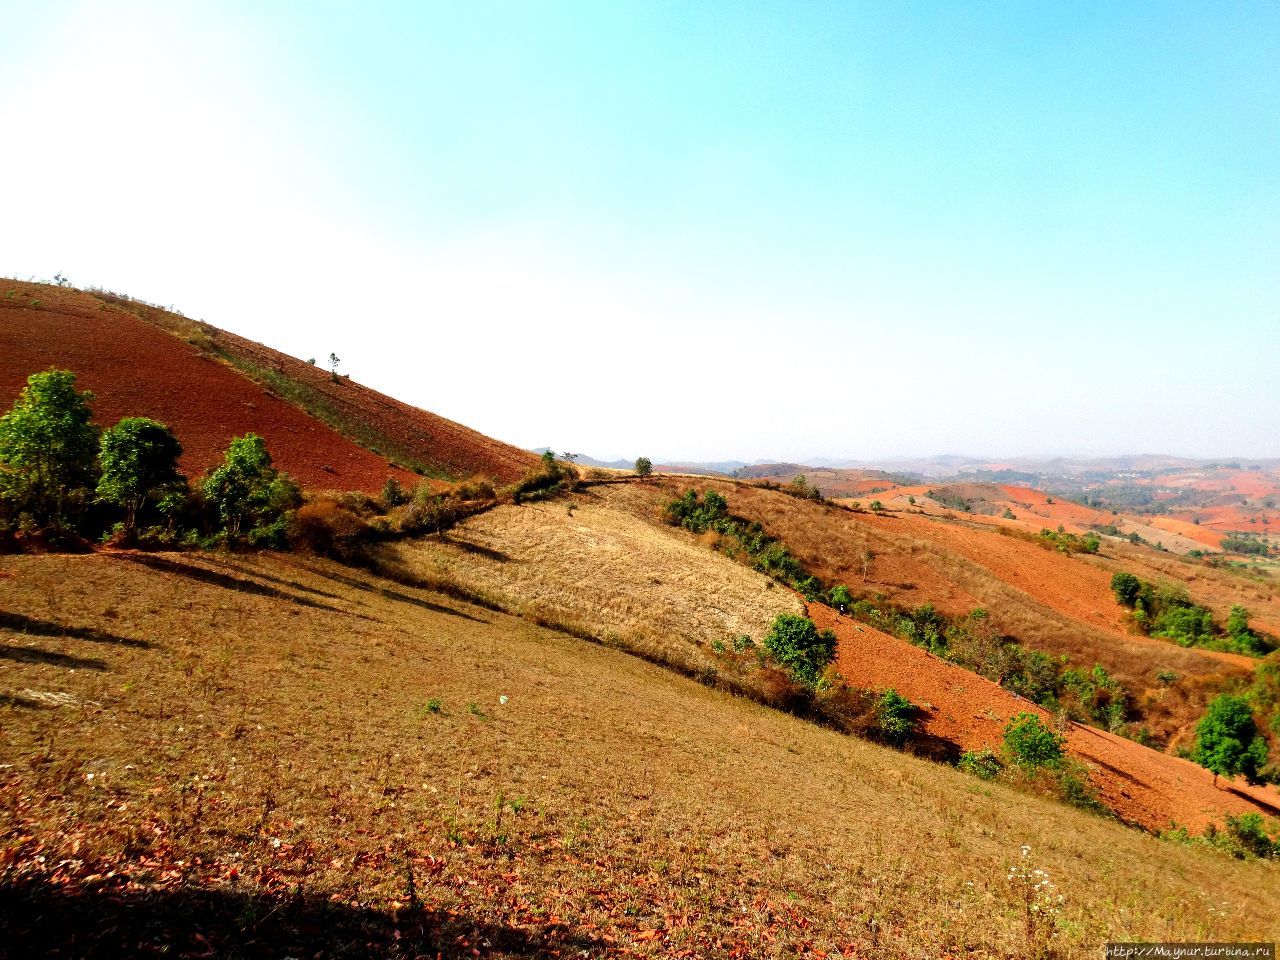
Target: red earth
{"points": [[138, 368], [1152, 790]]}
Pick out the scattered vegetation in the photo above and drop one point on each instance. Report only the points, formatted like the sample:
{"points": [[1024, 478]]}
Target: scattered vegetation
{"points": [[1168, 611], [64, 482]]}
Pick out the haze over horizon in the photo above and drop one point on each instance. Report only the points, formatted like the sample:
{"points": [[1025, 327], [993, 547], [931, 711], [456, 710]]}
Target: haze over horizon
{"points": [[861, 231]]}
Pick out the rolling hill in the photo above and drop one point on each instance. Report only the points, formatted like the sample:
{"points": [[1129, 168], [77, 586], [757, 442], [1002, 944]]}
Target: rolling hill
{"points": [[210, 386]]}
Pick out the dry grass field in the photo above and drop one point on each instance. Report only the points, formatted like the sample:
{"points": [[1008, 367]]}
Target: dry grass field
{"points": [[235, 757], [598, 566]]}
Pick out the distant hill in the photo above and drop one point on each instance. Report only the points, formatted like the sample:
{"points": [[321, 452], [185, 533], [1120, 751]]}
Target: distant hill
{"points": [[210, 385]]}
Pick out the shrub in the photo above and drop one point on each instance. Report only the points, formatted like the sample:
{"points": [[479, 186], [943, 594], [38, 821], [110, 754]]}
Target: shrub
{"points": [[840, 598], [139, 459], [393, 494], [1031, 743], [895, 717], [798, 645], [328, 527], [477, 488], [982, 763], [1227, 739], [48, 449], [644, 466]]}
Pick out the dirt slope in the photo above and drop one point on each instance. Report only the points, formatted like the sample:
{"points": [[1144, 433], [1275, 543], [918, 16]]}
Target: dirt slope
{"points": [[146, 362], [1143, 787]]}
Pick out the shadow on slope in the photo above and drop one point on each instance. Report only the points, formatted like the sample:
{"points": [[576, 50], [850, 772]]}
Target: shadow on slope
{"points": [[110, 920]]}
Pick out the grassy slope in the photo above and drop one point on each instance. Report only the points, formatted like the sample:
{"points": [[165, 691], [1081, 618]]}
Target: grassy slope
{"points": [[261, 751]]}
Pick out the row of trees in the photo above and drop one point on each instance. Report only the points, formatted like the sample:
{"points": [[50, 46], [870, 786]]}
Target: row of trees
{"points": [[61, 476]]}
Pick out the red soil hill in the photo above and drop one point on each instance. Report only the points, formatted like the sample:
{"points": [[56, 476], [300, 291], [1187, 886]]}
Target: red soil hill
{"points": [[137, 364]]}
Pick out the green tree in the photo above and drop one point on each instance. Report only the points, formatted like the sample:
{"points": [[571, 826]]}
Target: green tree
{"points": [[798, 645], [48, 448], [895, 717], [644, 466], [1227, 739], [1031, 743], [1126, 587], [250, 495], [139, 459]]}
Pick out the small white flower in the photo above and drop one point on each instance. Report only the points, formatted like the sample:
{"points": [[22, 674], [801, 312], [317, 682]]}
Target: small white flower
{"points": [[275, 843], [503, 699]]}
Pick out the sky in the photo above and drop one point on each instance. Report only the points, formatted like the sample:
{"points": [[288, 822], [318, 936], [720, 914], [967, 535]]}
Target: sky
{"points": [[692, 231]]}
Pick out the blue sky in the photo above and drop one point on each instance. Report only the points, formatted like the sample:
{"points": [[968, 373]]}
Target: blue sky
{"points": [[690, 230]]}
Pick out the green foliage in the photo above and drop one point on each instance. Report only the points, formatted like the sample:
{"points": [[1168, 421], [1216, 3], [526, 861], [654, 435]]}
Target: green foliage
{"points": [[139, 460], [1227, 739], [1245, 837], [251, 497], [644, 466], [895, 717], [1168, 611], [547, 481], [1069, 543], [1126, 587], [877, 506], [795, 643], [800, 487], [982, 763], [48, 449], [1099, 696], [697, 515], [839, 597], [1246, 545], [1031, 743], [393, 494]]}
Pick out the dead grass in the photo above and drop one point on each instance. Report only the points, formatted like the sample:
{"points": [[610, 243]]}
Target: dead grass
{"points": [[590, 564], [251, 745]]}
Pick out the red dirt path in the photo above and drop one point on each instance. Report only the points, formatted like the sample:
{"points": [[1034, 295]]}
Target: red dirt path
{"points": [[136, 368], [1142, 786]]}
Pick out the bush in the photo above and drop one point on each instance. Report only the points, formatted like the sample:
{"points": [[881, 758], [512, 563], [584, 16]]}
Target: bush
{"points": [[983, 763], [840, 598], [798, 645], [895, 717], [326, 526], [1031, 743], [393, 494]]}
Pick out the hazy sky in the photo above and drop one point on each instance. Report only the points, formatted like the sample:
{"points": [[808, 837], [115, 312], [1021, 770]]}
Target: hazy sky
{"points": [[689, 230]]}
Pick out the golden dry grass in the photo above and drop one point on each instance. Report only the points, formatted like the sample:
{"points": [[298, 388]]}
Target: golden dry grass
{"points": [[597, 565], [260, 731]]}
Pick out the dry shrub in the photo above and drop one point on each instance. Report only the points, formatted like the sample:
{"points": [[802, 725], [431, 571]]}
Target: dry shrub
{"points": [[477, 488], [330, 526]]}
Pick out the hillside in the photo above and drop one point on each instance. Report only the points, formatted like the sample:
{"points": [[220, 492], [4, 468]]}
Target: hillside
{"points": [[210, 386], [224, 756]]}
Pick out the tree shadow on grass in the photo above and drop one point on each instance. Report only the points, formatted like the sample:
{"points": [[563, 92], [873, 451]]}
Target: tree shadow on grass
{"points": [[20, 702], [395, 595], [48, 657], [20, 623], [39, 919], [227, 581]]}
